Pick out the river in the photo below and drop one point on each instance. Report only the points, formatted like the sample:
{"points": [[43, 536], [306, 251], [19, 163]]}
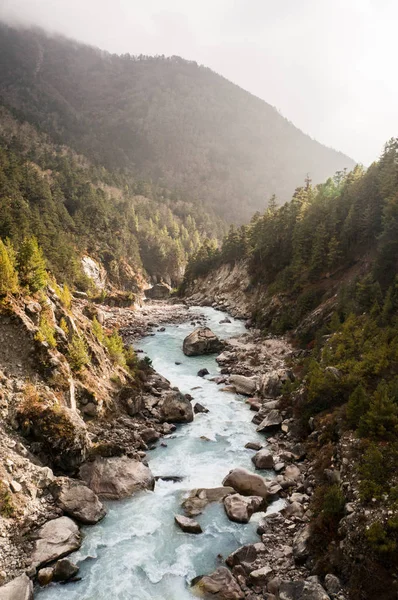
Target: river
{"points": [[137, 552]]}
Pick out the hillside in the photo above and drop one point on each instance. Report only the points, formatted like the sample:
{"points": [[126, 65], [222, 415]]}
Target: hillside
{"points": [[165, 119]]}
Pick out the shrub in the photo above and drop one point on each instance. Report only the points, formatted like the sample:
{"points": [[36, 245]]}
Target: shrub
{"points": [[373, 471], [358, 404], [46, 332], [98, 331], [8, 274], [381, 420], [77, 353], [65, 296], [7, 508], [64, 326], [31, 265], [383, 539], [115, 347]]}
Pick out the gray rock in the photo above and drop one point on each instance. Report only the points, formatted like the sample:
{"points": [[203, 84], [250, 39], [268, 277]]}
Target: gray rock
{"points": [[302, 590], [253, 446], [20, 588], [244, 385], [175, 408], [56, 539], [199, 498], [187, 525], [272, 421], [221, 585], [199, 408], [240, 508], [160, 291], [149, 435], [292, 472], [332, 584], [201, 341], [245, 556], [246, 483], [203, 372], [15, 486], [45, 576], [263, 459], [64, 569], [78, 501], [300, 544], [260, 576], [116, 477]]}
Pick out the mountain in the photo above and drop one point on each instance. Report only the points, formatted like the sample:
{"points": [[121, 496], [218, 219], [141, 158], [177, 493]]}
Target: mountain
{"points": [[165, 119]]}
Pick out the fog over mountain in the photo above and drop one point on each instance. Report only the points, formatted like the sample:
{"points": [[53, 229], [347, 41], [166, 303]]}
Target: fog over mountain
{"points": [[325, 65]]}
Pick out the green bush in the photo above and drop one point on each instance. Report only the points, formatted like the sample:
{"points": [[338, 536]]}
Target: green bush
{"points": [[46, 332], [78, 353], [8, 274], [358, 404], [115, 347], [31, 265]]}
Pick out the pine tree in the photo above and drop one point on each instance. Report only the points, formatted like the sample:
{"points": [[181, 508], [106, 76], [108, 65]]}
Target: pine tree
{"points": [[8, 275], [31, 265]]}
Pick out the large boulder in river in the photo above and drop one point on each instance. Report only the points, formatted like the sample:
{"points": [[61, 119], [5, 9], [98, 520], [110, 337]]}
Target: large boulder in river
{"points": [[78, 501], [240, 508], [20, 588], [56, 539], [272, 421], [244, 385], [116, 477], [220, 585], [246, 483], [201, 341], [175, 408], [160, 291], [187, 525], [199, 498], [263, 459]]}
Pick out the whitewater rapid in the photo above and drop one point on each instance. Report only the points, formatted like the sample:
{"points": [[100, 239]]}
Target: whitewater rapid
{"points": [[137, 552]]}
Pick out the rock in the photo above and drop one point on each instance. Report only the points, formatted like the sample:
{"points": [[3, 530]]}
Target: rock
{"points": [[263, 459], [245, 556], [116, 477], [20, 588], [254, 404], [198, 499], [271, 422], [253, 446], [298, 451], [226, 320], [293, 510], [302, 590], [240, 508], [199, 408], [162, 329], [94, 271], [78, 501], [149, 435], [221, 585], [246, 483], [336, 374], [332, 584], [201, 341], [260, 576], [273, 585], [56, 539], [292, 472], [203, 372], [64, 569], [160, 291], [45, 576], [300, 544], [244, 385], [188, 525], [15, 486], [175, 408]]}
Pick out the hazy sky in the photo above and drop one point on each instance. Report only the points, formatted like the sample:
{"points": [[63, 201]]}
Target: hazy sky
{"points": [[327, 65]]}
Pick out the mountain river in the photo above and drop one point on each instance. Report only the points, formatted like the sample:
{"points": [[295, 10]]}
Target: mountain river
{"points": [[137, 552]]}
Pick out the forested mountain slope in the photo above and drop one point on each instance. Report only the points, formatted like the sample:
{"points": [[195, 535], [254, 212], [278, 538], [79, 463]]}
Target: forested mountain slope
{"points": [[165, 119]]}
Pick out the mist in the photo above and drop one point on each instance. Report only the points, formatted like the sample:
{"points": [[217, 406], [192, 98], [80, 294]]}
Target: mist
{"points": [[326, 66]]}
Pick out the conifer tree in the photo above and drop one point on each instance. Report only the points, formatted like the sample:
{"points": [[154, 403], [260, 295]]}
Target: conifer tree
{"points": [[31, 265], [8, 275]]}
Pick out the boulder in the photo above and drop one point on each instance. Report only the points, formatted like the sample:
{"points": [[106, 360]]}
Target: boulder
{"points": [[160, 291], [253, 446], [220, 585], [245, 556], [332, 584], [300, 544], [260, 576], [302, 590], [64, 570], [246, 483], [78, 501], [116, 477], [199, 408], [244, 385], [175, 408], [203, 372], [201, 341], [263, 459], [149, 435], [198, 499], [240, 508], [292, 473], [45, 576], [20, 588], [270, 385], [187, 525], [272, 421], [56, 539]]}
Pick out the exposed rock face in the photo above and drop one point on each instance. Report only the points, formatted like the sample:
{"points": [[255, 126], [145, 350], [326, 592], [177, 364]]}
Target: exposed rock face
{"points": [[20, 588], [56, 539], [240, 508], [78, 501], [246, 483], [302, 590], [271, 383], [94, 271], [221, 585], [271, 422], [116, 477], [201, 341], [187, 525], [160, 291], [263, 459], [199, 498], [175, 408], [244, 385]]}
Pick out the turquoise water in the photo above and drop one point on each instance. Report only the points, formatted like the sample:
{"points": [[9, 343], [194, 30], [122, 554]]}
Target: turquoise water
{"points": [[137, 552]]}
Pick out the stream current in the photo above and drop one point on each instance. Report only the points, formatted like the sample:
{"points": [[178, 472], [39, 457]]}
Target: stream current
{"points": [[137, 552]]}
